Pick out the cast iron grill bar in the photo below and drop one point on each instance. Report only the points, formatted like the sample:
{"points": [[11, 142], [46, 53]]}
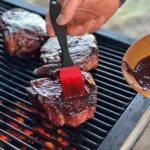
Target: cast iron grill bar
{"points": [[112, 99], [14, 97], [16, 139], [110, 50], [22, 108], [5, 6], [2, 9], [110, 64], [105, 91], [4, 60], [28, 77], [1, 12], [103, 57], [112, 92], [110, 112], [19, 62], [9, 145], [93, 136], [97, 70], [95, 127], [100, 122], [13, 83], [57, 135], [108, 104], [110, 80], [1, 41], [46, 138], [110, 69], [114, 45], [21, 133], [124, 92], [15, 78], [119, 90], [111, 55], [109, 119], [29, 128], [5, 86]]}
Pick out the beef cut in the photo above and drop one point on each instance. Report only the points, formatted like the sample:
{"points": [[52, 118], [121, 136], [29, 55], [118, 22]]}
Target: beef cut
{"points": [[46, 95], [83, 51], [23, 32]]}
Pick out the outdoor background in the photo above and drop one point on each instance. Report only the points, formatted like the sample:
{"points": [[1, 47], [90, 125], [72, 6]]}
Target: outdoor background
{"points": [[132, 19]]}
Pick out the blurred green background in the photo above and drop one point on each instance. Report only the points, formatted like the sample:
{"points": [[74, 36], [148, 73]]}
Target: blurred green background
{"points": [[132, 19]]}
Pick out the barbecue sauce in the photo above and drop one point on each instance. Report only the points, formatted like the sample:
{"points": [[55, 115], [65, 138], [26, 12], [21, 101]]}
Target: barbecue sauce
{"points": [[141, 72]]}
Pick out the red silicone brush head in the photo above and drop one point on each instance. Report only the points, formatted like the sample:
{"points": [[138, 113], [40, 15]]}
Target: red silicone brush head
{"points": [[72, 82]]}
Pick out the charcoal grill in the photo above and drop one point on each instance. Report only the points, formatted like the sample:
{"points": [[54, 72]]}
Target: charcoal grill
{"points": [[118, 108]]}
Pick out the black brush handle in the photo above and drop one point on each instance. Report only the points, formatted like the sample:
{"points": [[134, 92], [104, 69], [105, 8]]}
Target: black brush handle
{"points": [[61, 33]]}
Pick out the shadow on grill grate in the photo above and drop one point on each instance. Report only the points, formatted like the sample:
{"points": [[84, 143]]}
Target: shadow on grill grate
{"points": [[23, 128]]}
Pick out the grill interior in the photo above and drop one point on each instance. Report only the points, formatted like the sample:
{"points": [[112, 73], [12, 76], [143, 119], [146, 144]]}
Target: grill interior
{"points": [[22, 128]]}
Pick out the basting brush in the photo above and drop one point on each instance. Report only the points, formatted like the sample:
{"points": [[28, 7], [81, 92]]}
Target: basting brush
{"points": [[70, 75]]}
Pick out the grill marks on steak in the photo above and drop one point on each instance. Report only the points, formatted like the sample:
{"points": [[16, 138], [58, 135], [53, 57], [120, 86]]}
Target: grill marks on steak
{"points": [[46, 94], [23, 32], [83, 51]]}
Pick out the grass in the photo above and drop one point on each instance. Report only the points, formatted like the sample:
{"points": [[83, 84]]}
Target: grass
{"points": [[132, 19]]}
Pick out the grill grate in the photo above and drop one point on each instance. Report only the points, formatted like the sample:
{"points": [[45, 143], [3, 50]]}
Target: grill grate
{"points": [[33, 131]]}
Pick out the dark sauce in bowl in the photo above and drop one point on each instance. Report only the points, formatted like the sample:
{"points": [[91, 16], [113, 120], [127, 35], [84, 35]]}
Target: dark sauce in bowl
{"points": [[141, 72]]}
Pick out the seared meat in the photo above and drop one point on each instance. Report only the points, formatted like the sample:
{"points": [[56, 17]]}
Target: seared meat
{"points": [[50, 70], [83, 51], [46, 95], [23, 32]]}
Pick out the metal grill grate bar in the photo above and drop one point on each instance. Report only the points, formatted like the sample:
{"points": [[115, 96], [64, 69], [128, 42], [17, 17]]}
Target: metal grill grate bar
{"points": [[32, 130], [9, 145], [110, 50], [21, 133], [28, 119], [114, 88], [115, 82], [14, 78], [107, 111], [112, 99], [16, 139]]}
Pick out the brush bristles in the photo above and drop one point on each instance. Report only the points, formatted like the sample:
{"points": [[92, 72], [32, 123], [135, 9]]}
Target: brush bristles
{"points": [[72, 82]]}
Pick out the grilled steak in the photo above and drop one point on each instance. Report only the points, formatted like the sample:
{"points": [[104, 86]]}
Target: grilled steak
{"points": [[46, 95], [83, 51], [23, 32]]}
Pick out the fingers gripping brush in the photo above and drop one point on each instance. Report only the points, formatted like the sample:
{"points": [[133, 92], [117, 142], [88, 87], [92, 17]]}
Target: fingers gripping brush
{"points": [[70, 75]]}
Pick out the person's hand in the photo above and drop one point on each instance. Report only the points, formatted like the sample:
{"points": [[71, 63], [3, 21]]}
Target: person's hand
{"points": [[82, 16]]}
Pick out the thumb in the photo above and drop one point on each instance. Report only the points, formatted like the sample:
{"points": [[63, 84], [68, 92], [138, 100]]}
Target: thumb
{"points": [[68, 10]]}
